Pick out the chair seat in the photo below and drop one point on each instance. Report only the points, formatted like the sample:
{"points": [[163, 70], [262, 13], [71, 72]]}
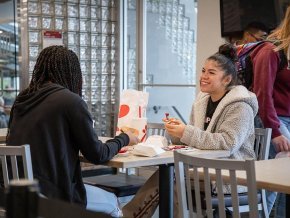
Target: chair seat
{"points": [[119, 184]]}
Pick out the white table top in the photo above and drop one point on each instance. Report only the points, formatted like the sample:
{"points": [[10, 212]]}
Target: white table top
{"points": [[164, 158], [273, 175], [139, 161]]}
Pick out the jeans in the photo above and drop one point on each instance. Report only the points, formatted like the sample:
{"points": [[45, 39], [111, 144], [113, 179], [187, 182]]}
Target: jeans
{"points": [[102, 201], [272, 196]]}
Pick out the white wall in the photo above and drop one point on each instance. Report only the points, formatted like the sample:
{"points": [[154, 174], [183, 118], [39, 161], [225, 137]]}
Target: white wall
{"points": [[208, 32]]}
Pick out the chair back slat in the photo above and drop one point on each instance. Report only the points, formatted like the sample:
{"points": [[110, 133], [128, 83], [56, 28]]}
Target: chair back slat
{"points": [[14, 165], [196, 193], [234, 193], [262, 143], [252, 188], [220, 193], [188, 189], [208, 195], [5, 170], [155, 129], [182, 199], [262, 147], [13, 152], [27, 163], [212, 171]]}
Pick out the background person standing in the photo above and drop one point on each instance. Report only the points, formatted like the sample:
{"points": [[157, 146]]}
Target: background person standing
{"points": [[271, 84]]}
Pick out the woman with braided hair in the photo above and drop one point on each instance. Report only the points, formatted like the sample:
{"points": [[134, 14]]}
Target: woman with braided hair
{"points": [[52, 118]]}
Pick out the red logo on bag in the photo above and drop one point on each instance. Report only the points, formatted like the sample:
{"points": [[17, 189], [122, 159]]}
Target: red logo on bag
{"points": [[124, 110]]}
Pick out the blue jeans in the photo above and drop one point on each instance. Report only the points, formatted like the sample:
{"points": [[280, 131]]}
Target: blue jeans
{"points": [[272, 196], [102, 201]]}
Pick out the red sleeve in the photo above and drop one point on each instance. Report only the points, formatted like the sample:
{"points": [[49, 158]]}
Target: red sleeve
{"points": [[265, 68]]}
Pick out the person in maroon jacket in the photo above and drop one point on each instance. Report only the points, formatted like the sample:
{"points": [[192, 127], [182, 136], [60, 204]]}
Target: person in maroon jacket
{"points": [[54, 120], [271, 84]]}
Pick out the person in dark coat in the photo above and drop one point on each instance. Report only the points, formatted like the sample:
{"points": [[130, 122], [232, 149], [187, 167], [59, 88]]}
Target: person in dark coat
{"points": [[54, 120]]}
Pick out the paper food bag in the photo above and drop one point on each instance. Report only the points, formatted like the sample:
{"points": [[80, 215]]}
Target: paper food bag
{"points": [[132, 113]]}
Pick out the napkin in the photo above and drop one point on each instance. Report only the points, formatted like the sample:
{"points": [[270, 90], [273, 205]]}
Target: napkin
{"points": [[147, 150]]}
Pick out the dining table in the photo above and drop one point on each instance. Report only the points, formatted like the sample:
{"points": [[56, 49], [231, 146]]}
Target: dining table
{"points": [[272, 175], [165, 163]]}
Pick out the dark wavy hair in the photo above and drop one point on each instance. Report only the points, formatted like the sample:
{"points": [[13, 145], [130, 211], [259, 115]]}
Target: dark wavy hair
{"points": [[226, 59]]}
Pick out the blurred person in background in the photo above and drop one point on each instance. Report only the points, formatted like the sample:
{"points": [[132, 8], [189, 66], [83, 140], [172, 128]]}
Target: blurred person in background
{"points": [[253, 32], [271, 84]]}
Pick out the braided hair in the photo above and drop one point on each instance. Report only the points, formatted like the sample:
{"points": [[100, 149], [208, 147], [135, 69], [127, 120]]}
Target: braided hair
{"points": [[55, 64], [59, 65]]}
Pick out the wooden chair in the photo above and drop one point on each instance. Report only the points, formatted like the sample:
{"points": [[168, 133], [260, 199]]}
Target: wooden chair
{"points": [[186, 165], [261, 148], [155, 129], [12, 152], [262, 143]]}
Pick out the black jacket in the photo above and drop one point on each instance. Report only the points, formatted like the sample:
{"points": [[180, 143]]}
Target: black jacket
{"points": [[57, 125]]}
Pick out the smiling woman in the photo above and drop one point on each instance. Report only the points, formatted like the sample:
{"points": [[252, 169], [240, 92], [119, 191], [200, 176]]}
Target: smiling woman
{"points": [[222, 118]]}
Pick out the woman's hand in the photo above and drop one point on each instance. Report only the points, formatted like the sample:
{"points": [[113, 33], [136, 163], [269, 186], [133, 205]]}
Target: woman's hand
{"points": [[171, 121], [174, 127], [133, 139]]}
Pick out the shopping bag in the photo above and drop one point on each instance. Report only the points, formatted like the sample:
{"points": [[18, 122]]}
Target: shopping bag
{"points": [[132, 113]]}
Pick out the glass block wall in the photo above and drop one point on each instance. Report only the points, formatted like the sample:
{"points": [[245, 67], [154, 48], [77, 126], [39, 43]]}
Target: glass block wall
{"points": [[89, 28]]}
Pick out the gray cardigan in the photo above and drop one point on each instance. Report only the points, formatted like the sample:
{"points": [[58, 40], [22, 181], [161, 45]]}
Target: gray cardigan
{"points": [[231, 127]]}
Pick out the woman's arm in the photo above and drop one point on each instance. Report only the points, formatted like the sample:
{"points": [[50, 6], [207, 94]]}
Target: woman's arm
{"points": [[233, 128], [85, 137]]}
